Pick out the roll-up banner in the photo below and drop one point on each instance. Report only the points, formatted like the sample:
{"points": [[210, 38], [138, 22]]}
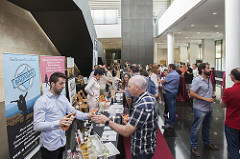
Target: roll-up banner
{"points": [[22, 89], [49, 65]]}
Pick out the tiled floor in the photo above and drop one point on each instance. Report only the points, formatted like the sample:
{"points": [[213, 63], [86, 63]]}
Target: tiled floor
{"points": [[178, 139]]}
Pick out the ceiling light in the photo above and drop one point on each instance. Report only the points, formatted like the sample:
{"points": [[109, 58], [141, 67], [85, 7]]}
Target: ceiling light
{"points": [[186, 37], [192, 25], [214, 13], [198, 32], [179, 32], [216, 26], [217, 32]]}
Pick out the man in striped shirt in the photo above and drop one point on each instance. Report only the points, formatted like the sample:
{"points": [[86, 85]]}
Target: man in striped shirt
{"points": [[142, 125]]}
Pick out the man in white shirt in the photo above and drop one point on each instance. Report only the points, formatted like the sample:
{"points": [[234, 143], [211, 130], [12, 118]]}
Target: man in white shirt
{"points": [[195, 70], [50, 118], [162, 68]]}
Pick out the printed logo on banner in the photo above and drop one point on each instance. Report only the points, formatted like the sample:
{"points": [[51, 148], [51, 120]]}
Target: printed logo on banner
{"points": [[23, 78]]}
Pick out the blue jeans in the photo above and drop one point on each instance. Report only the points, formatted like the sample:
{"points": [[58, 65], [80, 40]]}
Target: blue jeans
{"points": [[143, 156], [171, 103], [200, 119], [233, 140]]}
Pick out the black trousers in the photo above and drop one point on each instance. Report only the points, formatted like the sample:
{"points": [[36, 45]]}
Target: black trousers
{"points": [[165, 101], [57, 154]]}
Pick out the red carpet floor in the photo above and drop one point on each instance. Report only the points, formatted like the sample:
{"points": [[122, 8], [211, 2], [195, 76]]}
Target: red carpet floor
{"points": [[162, 149]]}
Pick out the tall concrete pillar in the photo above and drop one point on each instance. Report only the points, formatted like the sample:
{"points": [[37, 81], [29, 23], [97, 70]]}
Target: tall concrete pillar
{"points": [[155, 56], [232, 34], [137, 31]]}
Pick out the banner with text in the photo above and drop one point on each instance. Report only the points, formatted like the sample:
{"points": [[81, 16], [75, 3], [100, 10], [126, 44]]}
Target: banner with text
{"points": [[49, 65], [21, 85], [70, 67], [72, 90]]}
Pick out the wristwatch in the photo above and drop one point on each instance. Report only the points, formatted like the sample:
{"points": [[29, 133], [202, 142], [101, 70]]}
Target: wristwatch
{"points": [[107, 122]]}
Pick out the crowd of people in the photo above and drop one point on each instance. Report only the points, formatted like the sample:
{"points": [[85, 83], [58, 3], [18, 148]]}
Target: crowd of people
{"points": [[143, 90], [163, 84]]}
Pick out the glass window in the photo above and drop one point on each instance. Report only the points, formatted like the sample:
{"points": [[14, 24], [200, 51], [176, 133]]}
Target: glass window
{"points": [[98, 16], [103, 17], [218, 49], [111, 16], [218, 64], [218, 58]]}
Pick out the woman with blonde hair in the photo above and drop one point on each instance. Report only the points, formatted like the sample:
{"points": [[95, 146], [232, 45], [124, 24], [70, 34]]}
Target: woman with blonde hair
{"points": [[125, 80], [124, 86]]}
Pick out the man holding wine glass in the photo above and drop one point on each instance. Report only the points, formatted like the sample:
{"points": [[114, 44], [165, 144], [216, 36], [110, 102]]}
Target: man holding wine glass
{"points": [[51, 120], [143, 120], [202, 94]]}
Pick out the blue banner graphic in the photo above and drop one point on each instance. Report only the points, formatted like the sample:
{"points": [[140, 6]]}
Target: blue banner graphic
{"points": [[22, 89]]}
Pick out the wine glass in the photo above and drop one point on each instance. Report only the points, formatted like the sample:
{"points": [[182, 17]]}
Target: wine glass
{"points": [[214, 97], [95, 111]]}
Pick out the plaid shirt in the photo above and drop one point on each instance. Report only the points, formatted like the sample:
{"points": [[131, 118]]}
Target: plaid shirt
{"points": [[144, 117]]}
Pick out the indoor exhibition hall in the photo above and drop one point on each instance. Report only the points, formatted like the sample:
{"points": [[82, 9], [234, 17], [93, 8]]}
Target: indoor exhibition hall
{"points": [[119, 79]]}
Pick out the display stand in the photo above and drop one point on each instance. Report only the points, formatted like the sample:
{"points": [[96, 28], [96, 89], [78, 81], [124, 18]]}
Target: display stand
{"points": [[81, 101], [114, 112]]}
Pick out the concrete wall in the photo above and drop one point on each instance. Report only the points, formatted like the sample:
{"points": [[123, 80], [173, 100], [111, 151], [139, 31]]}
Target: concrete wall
{"points": [[208, 50], [19, 33], [183, 53], [155, 53], [137, 31], [162, 55], [194, 53], [176, 55]]}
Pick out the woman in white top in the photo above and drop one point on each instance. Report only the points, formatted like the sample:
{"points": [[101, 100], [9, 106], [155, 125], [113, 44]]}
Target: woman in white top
{"points": [[154, 77], [93, 89], [104, 81]]}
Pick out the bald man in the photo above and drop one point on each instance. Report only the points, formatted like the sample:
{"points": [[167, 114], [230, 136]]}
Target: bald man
{"points": [[142, 126]]}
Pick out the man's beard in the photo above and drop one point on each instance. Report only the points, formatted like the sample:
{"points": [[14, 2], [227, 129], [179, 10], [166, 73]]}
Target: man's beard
{"points": [[207, 73], [58, 91]]}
